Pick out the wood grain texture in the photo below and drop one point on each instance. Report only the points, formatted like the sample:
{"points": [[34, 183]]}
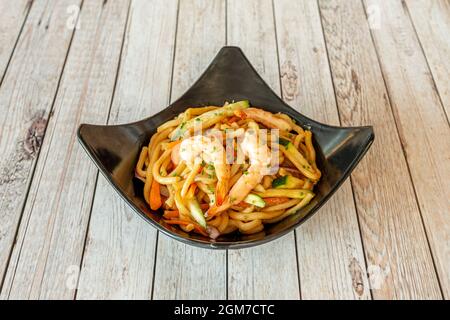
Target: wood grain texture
{"points": [[394, 76], [393, 235], [12, 16], [432, 24], [417, 105], [330, 254], [258, 273], [120, 250], [26, 98], [51, 237], [183, 271]]}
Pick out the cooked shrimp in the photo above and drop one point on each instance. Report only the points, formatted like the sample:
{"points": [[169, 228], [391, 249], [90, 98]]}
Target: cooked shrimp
{"points": [[207, 149], [260, 162], [214, 133], [175, 155], [266, 118]]}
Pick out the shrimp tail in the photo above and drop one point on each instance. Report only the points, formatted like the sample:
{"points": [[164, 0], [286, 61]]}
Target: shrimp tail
{"points": [[221, 191]]}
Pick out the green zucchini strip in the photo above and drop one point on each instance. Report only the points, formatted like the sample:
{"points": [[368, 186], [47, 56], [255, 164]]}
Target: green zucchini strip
{"points": [[289, 193]]}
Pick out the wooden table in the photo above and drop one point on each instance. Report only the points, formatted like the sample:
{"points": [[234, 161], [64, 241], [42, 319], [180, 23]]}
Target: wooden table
{"points": [[65, 234]]}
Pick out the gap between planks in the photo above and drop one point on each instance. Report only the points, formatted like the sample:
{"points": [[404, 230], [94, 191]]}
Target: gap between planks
{"points": [[118, 240], [36, 159], [3, 72], [107, 121], [94, 19], [391, 95], [352, 187], [414, 226]]}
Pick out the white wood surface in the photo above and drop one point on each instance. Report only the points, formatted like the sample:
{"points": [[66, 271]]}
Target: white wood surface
{"points": [[431, 20], [183, 271], [258, 273], [12, 17], [26, 97], [392, 231], [51, 237], [330, 255], [410, 87], [120, 249], [65, 234]]}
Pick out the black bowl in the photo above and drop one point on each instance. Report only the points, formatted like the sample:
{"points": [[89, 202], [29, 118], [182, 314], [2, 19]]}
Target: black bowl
{"points": [[230, 76]]}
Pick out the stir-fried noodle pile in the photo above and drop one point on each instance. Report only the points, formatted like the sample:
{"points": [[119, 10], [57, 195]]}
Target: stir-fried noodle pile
{"points": [[215, 170]]}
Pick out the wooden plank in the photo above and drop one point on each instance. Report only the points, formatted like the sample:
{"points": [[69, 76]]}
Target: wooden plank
{"points": [[26, 98], [417, 105], [432, 24], [393, 235], [120, 249], [12, 17], [183, 271], [257, 273], [46, 259], [330, 254]]}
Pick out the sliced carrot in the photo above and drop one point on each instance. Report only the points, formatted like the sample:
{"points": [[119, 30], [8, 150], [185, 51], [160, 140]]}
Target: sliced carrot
{"points": [[233, 119], [170, 214], [180, 222], [155, 196], [243, 204], [275, 200], [197, 227], [200, 230]]}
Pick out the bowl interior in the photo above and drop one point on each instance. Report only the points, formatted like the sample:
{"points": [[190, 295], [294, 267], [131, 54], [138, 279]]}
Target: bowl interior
{"points": [[230, 76]]}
